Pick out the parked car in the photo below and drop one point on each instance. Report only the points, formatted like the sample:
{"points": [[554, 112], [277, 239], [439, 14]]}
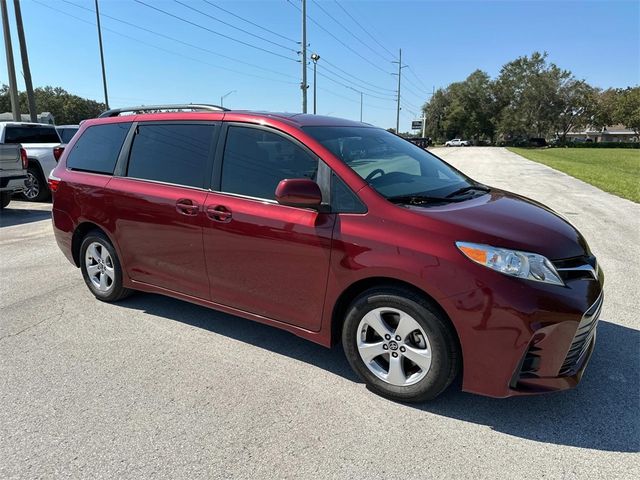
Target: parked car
{"points": [[66, 132], [457, 142], [39, 141], [422, 142], [335, 231], [13, 172]]}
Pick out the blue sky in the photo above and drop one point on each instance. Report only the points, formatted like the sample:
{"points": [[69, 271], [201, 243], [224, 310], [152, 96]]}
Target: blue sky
{"points": [[442, 42]]}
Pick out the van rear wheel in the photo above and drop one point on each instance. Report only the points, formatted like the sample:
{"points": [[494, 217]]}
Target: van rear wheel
{"points": [[400, 345], [101, 268]]}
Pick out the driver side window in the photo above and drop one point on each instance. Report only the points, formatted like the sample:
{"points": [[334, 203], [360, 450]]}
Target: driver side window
{"points": [[255, 160]]}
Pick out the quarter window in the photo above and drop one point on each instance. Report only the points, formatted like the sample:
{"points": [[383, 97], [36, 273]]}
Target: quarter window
{"points": [[255, 161], [98, 148], [171, 153]]}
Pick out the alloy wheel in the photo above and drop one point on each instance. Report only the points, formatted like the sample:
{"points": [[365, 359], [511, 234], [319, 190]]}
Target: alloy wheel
{"points": [[393, 346], [32, 186], [99, 265]]}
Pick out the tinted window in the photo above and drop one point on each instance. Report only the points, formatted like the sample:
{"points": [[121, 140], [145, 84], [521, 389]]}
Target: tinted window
{"points": [[98, 148], [171, 153], [66, 134], [390, 164], [31, 134], [343, 200], [256, 160]]}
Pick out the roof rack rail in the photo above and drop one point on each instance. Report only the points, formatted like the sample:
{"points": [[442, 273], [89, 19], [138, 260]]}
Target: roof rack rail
{"points": [[180, 106]]}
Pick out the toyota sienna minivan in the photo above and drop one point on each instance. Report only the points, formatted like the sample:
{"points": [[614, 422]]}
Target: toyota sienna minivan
{"points": [[336, 231]]}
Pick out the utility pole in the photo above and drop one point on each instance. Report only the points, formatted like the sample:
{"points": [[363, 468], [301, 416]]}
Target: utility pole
{"points": [[13, 86], [400, 67], [424, 123], [315, 57], [304, 85], [360, 106], [31, 100], [104, 75]]}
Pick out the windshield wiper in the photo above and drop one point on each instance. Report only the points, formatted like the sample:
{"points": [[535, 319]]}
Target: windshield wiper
{"points": [[420, 199], [460, 191]]}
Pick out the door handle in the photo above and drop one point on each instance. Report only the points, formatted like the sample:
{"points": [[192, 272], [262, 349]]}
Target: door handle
{"points": [[186, 206], [219, 213]]}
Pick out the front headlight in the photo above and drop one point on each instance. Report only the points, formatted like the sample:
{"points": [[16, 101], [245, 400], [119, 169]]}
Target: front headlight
{"points": [[512, 262]]}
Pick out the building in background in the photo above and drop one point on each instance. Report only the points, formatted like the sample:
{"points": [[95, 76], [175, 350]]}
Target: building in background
{"points": [[44, 117]]}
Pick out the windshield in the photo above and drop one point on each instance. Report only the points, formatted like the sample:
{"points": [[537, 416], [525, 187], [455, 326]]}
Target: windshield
{"points": [[67, 133], [391, 165]]}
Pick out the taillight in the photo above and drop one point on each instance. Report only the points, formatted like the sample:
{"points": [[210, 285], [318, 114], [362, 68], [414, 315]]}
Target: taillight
{"points": [[54, 182], [23, 157], [57, 152]]}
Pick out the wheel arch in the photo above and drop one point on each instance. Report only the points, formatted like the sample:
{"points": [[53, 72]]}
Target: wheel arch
{"points": [[360, 286], [79, 233]]}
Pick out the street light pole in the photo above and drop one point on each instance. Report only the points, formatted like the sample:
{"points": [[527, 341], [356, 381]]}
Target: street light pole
{"points": [[304, 85], [13, 85], [225, 96], [104, 74], [31, 101], [315, 57]]}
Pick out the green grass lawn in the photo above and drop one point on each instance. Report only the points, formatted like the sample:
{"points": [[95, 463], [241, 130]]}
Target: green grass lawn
{"points": [[614, 170]]}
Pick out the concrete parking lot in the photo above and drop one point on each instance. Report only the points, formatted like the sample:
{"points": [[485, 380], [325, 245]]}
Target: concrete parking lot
{"points": [[155, 387]]}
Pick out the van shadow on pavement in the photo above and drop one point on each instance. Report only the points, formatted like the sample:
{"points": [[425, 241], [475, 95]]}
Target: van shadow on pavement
{"points": [[602, 413], [17, 216]]}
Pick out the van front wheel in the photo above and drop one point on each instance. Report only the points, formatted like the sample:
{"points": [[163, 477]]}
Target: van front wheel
{"points": [[400, 345]]}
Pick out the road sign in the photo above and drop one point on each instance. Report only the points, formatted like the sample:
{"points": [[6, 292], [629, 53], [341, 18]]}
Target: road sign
{"points": [[416, 125]]}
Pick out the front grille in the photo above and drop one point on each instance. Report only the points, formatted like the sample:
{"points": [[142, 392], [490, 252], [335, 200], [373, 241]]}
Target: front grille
{"points": [[582, 339], [577, 267]]}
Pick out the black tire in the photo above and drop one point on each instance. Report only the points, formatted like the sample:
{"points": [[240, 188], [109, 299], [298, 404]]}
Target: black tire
{"points": [[36, 187], [445, 354], [5, 199], [115, 290]]}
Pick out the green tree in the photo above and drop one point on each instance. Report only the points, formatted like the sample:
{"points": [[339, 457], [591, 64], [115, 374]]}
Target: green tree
{"points": [[578, 103], [529, 96], [64, 106], [627, 110]]}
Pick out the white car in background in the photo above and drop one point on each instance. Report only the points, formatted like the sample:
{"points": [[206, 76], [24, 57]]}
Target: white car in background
{"points": [[42, 144], [457, 142]]}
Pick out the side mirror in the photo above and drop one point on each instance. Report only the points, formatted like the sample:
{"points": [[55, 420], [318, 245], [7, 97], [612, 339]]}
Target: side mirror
{"points": [[299, 192]]}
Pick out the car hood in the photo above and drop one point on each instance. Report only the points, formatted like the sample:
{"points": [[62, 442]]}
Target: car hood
{"points": [[503, 219]]}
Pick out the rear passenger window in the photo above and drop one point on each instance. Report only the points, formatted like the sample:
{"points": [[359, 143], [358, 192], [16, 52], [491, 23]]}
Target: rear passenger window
{"points": [[256, 160], [98, 148], [171, 153]]}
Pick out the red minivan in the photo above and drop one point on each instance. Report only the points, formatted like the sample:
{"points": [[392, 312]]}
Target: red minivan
{"points": [[333, 230]]}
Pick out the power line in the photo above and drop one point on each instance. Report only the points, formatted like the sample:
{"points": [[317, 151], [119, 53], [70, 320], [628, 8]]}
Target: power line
{"points": [[250, 22], [418, 78], [352, 88], [393, 56], [349, 31], [323, 66], [348, 47], [162, 35], [335, 67], [331, 92], [234, 27], [213, 31], [160, 48]]}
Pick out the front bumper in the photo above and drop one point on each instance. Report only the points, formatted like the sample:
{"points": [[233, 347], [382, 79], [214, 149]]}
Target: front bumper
{"points": [[520, 337], [540, 370]]}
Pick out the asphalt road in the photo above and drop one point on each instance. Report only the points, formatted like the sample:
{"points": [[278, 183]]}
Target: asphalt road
{"points": [[155, 387]]}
